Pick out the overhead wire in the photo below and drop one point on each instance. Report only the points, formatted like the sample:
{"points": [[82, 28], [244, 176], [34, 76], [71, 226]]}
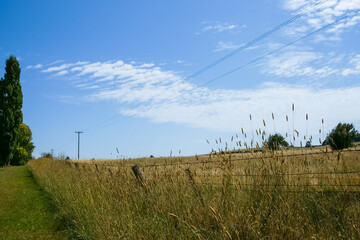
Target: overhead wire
{"points": [[231, 54], [278, 49], [247, 45], [252, 42]]}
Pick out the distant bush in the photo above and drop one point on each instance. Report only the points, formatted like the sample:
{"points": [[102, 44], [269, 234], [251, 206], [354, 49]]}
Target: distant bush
{"points": [[276, 141], [46, 155], [342, 136]]}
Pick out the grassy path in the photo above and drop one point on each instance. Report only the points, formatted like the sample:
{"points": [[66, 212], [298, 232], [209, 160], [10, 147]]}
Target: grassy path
{"points": [[25, 212]]}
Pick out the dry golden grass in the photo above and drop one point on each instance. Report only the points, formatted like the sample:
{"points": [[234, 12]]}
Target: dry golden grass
{"points": [[302, 194]]}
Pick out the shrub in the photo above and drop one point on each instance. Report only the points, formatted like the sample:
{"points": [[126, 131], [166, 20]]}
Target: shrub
{"points": [[276, 141], [46, 155], [342, 136]]}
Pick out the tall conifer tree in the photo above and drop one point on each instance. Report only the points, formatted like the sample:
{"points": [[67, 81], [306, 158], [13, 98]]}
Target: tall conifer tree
{"points": [[11, 100]]}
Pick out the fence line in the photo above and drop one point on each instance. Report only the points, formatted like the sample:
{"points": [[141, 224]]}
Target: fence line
{"points": [[286, 174], [232, 160]]}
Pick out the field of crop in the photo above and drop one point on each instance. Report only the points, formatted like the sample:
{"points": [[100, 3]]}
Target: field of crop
{"points": [[287, 194]]}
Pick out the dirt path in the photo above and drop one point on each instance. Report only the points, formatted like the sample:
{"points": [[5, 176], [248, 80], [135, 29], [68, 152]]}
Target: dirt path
{"points": [[25, 213]]}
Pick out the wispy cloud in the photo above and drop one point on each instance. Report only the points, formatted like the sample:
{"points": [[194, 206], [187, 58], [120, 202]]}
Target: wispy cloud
{"points": [[37, 66], [324, 14], [223, 46], [355, 70], [63, 66], [216, 26], [63, 72], [307, 63], [164, 96]]}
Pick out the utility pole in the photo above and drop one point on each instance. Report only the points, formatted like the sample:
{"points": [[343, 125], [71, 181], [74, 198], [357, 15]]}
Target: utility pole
{"points": [[78, 132]]}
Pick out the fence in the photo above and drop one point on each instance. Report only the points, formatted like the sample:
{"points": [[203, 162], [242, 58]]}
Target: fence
{"points": [[336, 179]]}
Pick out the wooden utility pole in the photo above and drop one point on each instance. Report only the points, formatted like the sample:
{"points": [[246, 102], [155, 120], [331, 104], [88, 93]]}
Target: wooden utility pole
{"points": [[78, 132]]}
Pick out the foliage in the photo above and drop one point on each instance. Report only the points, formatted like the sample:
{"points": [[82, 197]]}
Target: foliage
{"points": [[46, 155], [326, 142], [11, 100], [342, 136], [25, 146], [357, 137], [276, 141]]}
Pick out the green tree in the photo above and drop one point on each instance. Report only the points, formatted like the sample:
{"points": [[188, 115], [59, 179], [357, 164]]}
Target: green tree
{"points": [[357, 137], [342, 136], [25, 147], [11, 100], [276, 141]]}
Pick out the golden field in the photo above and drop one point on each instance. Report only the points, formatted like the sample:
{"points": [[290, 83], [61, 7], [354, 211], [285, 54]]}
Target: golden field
{"points": [[298, 193]]}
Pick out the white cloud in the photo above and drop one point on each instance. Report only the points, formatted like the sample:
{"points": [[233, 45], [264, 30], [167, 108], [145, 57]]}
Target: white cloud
{"points": [[219, 26], [164, 96], [355, 70], [37, 66], [307, 63], [325, 13], [147, 65], [63, 72], [63, 66], [222, 46], [294, 4], [292, 63]]}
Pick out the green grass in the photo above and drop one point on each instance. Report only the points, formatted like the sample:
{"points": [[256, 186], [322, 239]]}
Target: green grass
{"points": [[25, 211]]}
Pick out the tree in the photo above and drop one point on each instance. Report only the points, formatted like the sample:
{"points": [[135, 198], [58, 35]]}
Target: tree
{"points": [[357, 137], [25, 147], [11, 100], [342, 136], [276, 141]]}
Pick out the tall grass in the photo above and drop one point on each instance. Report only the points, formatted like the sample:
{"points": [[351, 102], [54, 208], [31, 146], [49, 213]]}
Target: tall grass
{"points": [[272, 195]]}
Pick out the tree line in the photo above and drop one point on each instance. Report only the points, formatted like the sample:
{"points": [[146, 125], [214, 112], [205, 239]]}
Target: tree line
{"points": [[16, 145]]}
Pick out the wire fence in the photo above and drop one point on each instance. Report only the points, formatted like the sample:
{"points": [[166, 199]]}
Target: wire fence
{"points": [[334, 180], [154, 165]]}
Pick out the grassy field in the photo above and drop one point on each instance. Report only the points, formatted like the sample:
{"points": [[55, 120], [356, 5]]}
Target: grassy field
{"points": [[288, 194], [25, 212]]}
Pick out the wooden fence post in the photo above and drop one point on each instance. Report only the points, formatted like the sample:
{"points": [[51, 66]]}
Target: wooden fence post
{"points": [[196, 189], [139, 175], [110, 171]]}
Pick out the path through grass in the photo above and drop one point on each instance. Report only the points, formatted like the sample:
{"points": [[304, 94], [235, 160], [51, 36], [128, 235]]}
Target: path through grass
{"points": [[25, 212]]}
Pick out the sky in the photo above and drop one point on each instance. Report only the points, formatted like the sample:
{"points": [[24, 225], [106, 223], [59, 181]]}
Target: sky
{"points": [[163, 78]]}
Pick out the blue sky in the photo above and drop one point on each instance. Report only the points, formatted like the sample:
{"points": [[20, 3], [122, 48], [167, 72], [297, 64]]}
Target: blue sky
{"points": [[119, 71]]}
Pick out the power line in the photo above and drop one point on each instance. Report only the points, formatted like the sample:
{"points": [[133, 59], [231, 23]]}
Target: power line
{"points": [[106, 121], [278, 49], [247, 45]]}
